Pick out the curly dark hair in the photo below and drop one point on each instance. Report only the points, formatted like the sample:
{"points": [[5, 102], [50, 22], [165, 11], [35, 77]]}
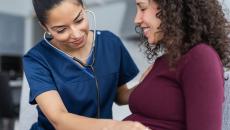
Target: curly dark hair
{"points": [[186, 23]]}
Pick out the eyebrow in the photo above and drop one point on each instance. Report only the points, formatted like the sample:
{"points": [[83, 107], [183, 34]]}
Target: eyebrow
{"points": [[58, 26]]}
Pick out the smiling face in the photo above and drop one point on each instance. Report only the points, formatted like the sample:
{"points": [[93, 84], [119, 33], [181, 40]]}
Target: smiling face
{"points": [[68, 25], [146, 18]]}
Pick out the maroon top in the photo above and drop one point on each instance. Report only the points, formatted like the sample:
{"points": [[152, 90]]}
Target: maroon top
{"points": [[189, 98]]}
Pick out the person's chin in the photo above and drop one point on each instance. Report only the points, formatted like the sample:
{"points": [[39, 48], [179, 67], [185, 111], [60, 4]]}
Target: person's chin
{"points": [[151, 41], [79, 46]]}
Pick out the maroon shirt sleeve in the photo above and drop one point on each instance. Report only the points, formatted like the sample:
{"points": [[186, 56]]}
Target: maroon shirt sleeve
{"points": [[203, 86]]}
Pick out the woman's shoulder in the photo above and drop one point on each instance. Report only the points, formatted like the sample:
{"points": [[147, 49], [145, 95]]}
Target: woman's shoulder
{"points": [[201, 54], [202, 50]]}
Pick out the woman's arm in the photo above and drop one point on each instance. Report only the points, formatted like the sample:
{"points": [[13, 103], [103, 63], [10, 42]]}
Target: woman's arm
{"points": [[52, 106], [203, 84]]}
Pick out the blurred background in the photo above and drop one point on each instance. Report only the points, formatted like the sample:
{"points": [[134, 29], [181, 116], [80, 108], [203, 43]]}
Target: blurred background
{"points": [[19, 31]]}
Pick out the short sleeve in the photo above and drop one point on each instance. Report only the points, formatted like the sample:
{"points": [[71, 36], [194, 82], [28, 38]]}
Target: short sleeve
{"points": [[128, 69], [38, 77], [203, 84]]}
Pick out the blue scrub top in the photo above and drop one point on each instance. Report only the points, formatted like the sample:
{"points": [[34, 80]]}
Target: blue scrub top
{"points": [[46, 69]]}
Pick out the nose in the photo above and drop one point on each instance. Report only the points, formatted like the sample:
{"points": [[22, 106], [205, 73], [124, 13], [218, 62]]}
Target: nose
{"points": [[75, 32], [138, 18]]}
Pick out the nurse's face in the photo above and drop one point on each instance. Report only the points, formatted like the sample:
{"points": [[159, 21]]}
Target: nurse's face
{"points": [[68, 25], [147, 20]]}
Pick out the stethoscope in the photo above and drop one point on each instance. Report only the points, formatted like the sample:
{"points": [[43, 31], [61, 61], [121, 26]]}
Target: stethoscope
{"points": [[85, 65]]}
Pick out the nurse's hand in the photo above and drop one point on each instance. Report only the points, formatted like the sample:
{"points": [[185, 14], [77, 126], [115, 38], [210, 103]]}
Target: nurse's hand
{"points": [[126, 125]]}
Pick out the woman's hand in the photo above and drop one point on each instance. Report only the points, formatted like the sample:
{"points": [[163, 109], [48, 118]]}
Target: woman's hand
{"points": [[126, 125]]}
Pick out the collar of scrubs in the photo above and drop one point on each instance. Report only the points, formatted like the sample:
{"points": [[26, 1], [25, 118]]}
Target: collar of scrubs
{"points": [[87, 70]]}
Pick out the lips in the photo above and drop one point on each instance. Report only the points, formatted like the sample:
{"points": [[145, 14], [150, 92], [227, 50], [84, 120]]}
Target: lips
{"points": [[78, 40], [146, 31]]}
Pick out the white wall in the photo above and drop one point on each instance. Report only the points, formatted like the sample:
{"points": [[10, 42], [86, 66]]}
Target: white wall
{"points": [[18, 7], [226, 4], [21, 8]]}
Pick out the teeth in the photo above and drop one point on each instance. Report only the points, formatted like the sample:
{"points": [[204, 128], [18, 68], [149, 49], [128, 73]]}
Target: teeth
{"points": [[146, 29]]}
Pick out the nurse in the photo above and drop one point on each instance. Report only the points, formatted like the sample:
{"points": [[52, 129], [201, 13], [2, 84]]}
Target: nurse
{"points": [[69, 94]]}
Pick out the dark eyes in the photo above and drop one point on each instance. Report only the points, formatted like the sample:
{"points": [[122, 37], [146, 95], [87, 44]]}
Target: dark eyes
{"points": [[64, 29], [61, 30], [79, 20], [143, 9]]}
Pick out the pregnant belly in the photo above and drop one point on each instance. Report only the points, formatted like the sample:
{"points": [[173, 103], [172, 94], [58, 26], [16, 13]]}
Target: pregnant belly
{"points": [[156, 124]]}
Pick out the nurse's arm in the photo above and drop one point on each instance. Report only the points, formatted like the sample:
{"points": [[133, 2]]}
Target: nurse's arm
{"points": [[123, 93], [52, 106]]}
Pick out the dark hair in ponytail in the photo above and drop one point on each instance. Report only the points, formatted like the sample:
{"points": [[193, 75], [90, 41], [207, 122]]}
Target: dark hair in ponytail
{"points": [[41, 7]]}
